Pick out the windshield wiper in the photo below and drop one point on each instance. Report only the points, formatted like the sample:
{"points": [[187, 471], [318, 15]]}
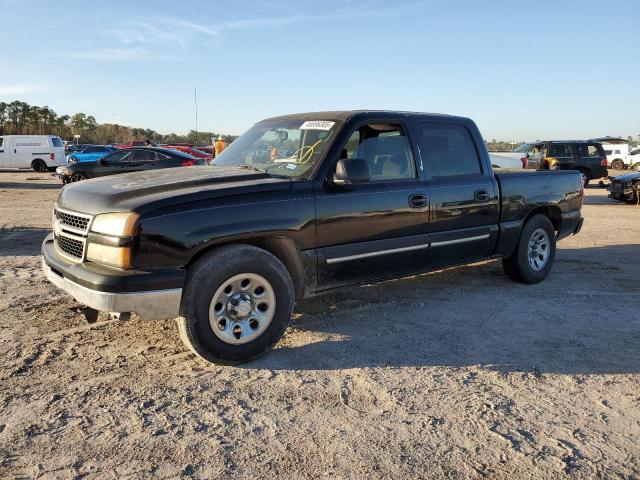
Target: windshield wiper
{"points": [[256, 169]]}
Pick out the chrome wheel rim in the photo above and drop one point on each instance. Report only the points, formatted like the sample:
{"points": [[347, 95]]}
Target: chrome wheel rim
{"points": [[242, 308], [539, 249]]}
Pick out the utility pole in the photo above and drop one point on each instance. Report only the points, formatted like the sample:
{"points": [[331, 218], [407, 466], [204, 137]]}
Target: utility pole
{"points": [[195, 100]]}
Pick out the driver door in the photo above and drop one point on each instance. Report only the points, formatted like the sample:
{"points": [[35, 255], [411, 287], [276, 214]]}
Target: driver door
{"points": [[376, 229]]}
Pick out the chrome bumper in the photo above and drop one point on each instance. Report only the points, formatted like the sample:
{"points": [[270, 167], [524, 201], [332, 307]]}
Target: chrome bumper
{"points": [[149, 305]]}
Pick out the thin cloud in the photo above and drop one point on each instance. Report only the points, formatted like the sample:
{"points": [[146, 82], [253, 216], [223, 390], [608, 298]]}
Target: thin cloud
{"points": [[19, 89], [116, 54]]}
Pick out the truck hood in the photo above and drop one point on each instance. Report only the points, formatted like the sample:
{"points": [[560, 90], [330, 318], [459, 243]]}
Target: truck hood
{"points": [[144, 191]]}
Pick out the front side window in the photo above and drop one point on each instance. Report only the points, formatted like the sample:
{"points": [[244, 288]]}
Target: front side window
{"points": [[386, 149], [145, 156], [448, 150], [291, 148], [118, 157]]}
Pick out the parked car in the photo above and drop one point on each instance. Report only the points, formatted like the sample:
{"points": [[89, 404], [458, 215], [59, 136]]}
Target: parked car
{"points": [[634, 159], [513, 159], [38, 152], [586, 156], [364, 196], [193, 151], [625, 187], [616, 150], [90, 154], [125, 161]]}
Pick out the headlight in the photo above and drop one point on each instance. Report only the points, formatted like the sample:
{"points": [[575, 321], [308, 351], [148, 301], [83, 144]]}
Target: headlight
{"points": [[117, 224], [110, 239], [115, 256]]}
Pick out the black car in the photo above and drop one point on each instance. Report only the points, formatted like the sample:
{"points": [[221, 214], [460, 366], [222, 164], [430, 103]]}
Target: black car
{"points": [[588, 157], [358, 197], [127, 160], [625, 187]]}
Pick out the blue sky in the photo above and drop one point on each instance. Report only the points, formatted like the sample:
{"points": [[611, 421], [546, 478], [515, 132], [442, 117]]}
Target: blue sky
{"points": [[520, 69]]}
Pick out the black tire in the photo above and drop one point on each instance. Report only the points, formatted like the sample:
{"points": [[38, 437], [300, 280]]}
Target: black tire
{"points": [[518, 266], [206, 276], [617, 164], [78, 177], [586, 177], [39, 165], [636, 167]]}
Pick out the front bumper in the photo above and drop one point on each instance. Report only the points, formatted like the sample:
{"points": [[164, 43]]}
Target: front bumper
{"points": [[120, 291]]}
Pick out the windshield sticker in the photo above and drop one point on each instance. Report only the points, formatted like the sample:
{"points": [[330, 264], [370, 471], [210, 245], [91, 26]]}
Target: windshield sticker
{"points": [[291, 166], [317, 125]]}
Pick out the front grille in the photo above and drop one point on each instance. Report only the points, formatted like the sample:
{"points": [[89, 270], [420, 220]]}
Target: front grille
{"points": [[79, 222], [70, 232], [71, 246]]}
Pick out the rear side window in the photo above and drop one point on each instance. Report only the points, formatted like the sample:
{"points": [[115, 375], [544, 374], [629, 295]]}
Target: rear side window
{"points": [[57, 142], [1, 142], [589, 150], [118, 157], [447, 150]]}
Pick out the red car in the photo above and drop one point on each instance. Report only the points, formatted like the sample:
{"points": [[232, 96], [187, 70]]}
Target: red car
{"points": [[193, 151]]}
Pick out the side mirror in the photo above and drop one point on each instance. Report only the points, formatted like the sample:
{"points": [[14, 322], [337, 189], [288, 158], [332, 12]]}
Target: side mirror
{"points": [[352, 171]]}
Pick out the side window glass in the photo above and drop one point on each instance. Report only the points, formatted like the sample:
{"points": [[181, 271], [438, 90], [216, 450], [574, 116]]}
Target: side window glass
{"points": [[387, 150], [145, 156], [117, 157], [1, 142], [559, 150], [448, 150]]}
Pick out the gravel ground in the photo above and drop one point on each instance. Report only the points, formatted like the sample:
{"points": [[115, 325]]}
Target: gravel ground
{"points": [[456, 374]]}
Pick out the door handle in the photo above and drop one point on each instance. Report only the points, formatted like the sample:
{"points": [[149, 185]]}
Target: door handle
{"points": [[481, 195], [418, 200]]}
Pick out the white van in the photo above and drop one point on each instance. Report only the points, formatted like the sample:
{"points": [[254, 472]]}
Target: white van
{"points": [[39, 152]]}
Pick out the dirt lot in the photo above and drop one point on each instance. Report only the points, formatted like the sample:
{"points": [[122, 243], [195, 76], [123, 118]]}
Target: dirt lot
{"points": [[458, 374]]}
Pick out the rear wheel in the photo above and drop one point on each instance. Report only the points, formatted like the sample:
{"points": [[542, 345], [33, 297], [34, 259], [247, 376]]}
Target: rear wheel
{"points": [[636, 167], [586, 177], [236, 304], [39, 165], [617, 164], [533, 257]]}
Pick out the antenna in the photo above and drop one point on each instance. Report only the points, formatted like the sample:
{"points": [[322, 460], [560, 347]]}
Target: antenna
{"points": [[195, 100]]}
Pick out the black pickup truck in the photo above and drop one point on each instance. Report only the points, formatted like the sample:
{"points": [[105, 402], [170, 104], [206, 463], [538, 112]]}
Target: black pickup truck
{"points": [[298, 206]]}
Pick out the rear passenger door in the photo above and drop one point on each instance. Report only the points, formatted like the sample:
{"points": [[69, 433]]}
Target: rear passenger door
{"points": [[463, 193]]}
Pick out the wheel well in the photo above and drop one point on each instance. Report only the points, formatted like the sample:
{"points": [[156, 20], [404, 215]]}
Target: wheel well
{"points": [[35, 160], [282, 248], [553, 213]]}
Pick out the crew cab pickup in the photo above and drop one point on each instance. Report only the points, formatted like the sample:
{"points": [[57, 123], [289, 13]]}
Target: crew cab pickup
{"points": [[339, 199]]}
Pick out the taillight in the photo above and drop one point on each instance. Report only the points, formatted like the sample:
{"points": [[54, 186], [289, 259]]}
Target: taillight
{"points": [[52, 156], [188, 163], [525, 162], [604, 162]]}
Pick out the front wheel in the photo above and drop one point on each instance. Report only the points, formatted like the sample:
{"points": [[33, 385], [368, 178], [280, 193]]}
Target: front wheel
{"points": [[236, 304], [533, 257], [636, 167]]}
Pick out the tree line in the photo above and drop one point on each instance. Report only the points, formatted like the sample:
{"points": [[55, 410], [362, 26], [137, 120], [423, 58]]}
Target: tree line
{"points": [[20, 118]]}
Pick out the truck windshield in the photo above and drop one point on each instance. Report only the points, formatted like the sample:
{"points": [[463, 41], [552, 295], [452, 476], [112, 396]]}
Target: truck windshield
{"points": [[289, 148]]}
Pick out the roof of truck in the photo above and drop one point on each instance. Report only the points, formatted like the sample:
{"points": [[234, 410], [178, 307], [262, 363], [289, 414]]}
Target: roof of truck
{"points": [[342, 115]]}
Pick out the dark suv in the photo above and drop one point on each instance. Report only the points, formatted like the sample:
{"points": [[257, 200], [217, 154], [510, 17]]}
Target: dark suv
{"points": [[587, 157]]}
